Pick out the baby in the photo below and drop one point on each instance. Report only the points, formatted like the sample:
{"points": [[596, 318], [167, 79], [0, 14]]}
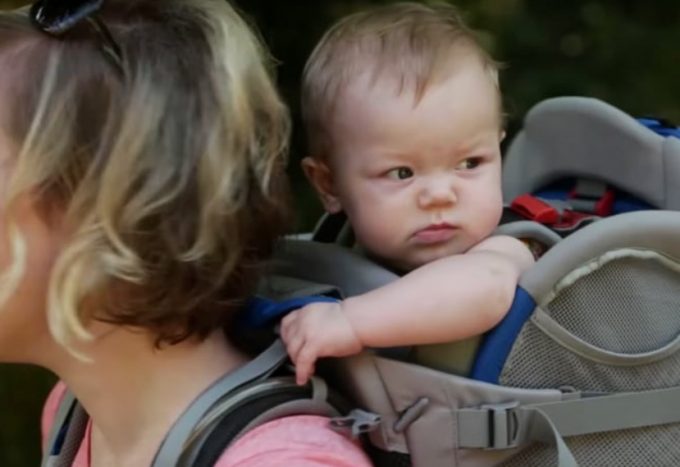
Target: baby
{"points": [[403, 114]]}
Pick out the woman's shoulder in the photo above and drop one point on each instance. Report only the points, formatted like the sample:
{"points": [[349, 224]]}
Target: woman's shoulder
{"points": [[302, 440]]}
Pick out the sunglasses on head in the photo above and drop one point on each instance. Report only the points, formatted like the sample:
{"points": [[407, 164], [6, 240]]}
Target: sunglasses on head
{"points": [[56, 17]]}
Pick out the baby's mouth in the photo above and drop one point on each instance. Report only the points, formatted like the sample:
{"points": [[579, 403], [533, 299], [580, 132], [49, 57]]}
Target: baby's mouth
{"points": [[435, 233]]}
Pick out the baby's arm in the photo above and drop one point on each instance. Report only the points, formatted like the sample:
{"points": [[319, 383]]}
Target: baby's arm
{"points": [[447, 300]]}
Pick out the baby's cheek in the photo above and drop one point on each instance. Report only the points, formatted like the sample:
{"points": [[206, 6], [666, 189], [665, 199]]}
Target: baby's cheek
{"points": [[375, 236], [488, 218], [370, 236]]}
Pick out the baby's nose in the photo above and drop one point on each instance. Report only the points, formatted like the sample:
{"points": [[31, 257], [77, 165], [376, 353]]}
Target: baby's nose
{"points": [[437, 192]]}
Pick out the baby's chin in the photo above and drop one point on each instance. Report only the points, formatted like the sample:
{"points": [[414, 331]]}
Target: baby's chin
{"points": [[407, 263], [408, 258], [423, 256]]}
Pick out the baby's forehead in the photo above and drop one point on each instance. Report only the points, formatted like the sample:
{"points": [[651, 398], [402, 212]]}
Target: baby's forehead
{"points": [[363, 91], [381, 85]]}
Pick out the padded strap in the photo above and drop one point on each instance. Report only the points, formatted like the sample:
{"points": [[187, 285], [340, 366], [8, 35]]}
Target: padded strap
{"points": [[262, 366], [510, 425], [316, 404], [250, 407], [528, 229]]}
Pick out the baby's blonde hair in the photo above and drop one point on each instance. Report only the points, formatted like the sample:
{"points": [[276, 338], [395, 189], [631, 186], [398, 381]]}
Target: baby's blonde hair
{"points": [[168, 171], [413, 45]]}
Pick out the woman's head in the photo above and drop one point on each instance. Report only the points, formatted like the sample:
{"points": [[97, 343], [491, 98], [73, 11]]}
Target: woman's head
{"points": [[162, 175]]}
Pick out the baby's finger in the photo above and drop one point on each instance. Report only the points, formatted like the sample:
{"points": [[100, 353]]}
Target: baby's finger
{"points": [[294, 345], [304, 365], [303, 372], [301, 375]]}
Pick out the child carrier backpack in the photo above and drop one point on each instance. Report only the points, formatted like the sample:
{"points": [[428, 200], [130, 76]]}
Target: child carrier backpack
{"points": [[583, 370]]}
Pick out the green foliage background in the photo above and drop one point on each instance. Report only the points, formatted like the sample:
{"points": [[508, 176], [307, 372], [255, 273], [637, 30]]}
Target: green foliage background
{"points": [[623, 51]]}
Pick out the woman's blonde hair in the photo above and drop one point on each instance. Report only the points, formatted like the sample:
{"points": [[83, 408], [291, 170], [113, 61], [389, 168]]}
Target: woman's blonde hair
{"points": [[413, 44], [168, 171]]}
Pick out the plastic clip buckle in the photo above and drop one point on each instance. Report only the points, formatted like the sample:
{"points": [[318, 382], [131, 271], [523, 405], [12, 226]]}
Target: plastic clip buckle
{"points": [[503, 425], [535, 209], [358, 421]]}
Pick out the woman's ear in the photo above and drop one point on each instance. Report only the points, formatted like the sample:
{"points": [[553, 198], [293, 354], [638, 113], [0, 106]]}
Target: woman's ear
{"points": [[319, 175]]}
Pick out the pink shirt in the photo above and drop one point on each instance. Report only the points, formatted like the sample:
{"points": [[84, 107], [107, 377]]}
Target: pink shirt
{"points": [[300, 441]]}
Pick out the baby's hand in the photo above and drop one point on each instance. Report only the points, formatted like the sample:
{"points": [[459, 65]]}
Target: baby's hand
{"points": [[317, 330]]}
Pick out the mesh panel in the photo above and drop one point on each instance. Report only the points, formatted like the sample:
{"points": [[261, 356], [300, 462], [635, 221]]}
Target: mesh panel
{"points": [[629, 305], [538, 362], [635, 303]]}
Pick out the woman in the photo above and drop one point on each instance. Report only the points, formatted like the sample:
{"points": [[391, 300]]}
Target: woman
{"points": [[140, 158]]}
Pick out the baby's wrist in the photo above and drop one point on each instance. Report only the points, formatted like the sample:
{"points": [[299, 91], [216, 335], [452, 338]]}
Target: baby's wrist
{"points": [[351, 309]]}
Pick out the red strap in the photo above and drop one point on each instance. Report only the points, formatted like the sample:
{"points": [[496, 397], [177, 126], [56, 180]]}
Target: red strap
{"points": [[605, 205], [534, 209]]}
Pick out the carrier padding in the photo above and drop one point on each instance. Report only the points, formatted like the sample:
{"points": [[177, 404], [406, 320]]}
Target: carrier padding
{"points": [[585, 137], [606, 320], [497, 343], [652, 230], [392, 388], [529, 229], [646, 230], [326, 263]]}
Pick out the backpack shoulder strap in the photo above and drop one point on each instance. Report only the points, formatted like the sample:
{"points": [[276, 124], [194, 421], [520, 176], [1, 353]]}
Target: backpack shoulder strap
{"points": [[236, 403], [266, 401], [66, 433], [212, 422], [68, 428], [172, 447]]}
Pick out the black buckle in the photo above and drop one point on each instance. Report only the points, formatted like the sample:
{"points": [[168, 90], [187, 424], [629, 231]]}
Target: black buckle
{"points": [[503, 425]]}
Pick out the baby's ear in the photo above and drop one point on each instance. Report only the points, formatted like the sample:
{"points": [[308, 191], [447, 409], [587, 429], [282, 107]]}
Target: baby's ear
{"points": [[319, 175]]}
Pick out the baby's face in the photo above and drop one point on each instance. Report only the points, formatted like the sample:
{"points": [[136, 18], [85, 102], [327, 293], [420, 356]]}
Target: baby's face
{"points": [[419, 182]]}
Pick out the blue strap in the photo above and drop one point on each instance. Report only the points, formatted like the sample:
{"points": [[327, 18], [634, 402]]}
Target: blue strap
{"points": [[497, 343], [262, 312], [660, 127]]}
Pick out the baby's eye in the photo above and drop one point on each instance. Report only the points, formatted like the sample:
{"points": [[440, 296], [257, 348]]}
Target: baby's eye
{"points": [[469, 163], [400, 173]]}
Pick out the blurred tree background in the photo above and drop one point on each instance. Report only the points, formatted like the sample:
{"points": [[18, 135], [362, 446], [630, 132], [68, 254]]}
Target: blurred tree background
{"points": [[622, 51]]}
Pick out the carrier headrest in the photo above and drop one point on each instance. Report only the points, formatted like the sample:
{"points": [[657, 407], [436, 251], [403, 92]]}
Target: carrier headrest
{"points": [[328, 263], [584, 137]]}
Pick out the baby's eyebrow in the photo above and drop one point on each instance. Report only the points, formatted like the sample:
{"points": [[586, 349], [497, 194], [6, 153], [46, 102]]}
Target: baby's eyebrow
{"points": [[483, 140], [394, 156]]}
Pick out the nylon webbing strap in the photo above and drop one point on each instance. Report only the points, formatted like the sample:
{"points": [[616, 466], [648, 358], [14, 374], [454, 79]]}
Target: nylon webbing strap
{"points": [[61, 418], [615, 411], [66, 434], [586, 195], [173, 445], [543, 429], [510, 425]]}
